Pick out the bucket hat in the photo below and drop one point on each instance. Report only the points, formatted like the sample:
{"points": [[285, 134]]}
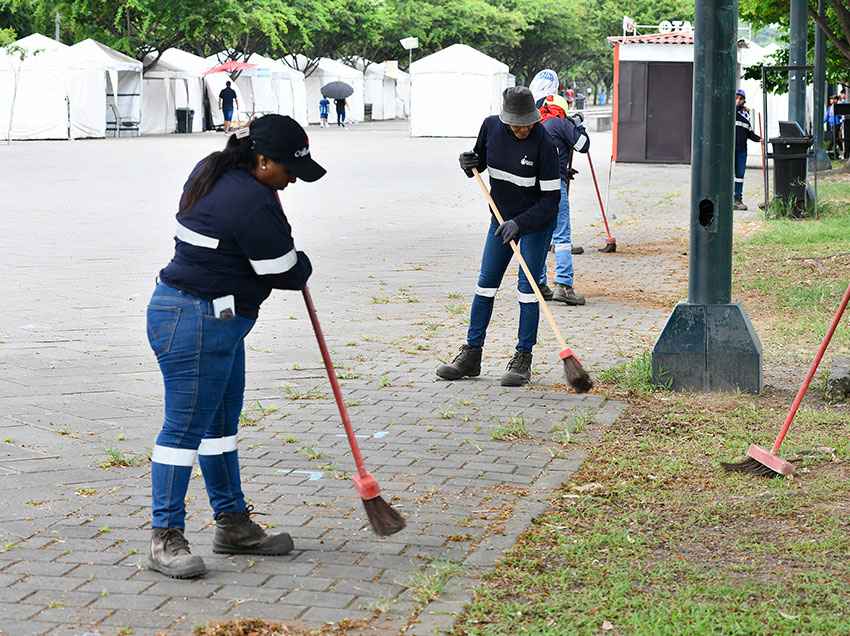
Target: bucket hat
{"points": [[518, 107]]}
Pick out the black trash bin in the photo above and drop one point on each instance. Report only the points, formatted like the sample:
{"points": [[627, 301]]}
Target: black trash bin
{"points": [[184, 120], [790, 151]]}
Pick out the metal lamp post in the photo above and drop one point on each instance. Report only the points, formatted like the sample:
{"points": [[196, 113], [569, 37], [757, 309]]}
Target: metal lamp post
{"points": [[708, 343]]}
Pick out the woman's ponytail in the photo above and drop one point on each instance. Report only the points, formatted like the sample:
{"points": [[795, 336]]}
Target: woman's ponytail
{"points": [[238, 153]]}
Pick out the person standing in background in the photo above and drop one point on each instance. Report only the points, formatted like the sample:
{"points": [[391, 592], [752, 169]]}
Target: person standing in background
{"points": [[743, 132], [340, 112], [226, 99], [324, 108], [569, 134]]}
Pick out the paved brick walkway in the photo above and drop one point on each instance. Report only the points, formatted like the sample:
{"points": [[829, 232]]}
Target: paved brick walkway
{"points": [[395, 234]]}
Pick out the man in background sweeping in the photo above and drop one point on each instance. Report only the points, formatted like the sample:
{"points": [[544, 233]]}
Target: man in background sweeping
{"points": [[523, 165], [743, 132], [569, 134]]}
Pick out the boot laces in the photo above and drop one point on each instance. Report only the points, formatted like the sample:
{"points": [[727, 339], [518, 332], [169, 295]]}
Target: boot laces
{"points": [[174, 541], [518, 361], [461, 353]]}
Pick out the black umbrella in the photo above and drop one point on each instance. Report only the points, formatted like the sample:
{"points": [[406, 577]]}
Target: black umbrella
{"points": [[337, 90]]}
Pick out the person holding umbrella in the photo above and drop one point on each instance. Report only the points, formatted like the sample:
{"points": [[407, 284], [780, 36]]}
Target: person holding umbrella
{"points": [[233, 246], [340, 105], [525, 183], [338, 91]]}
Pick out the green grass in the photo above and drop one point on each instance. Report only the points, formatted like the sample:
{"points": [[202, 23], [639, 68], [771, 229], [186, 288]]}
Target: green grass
{"points": [[428, 584], [633, 377], [652, 537], [116, 458], [511, 430], [791, 274]]}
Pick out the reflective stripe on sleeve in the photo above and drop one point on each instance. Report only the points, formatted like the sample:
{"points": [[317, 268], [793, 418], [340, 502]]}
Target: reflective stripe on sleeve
{"points": [[548, 185], [217, 445], [194, 238], [277, 265], [525, 182], [173, 456]]}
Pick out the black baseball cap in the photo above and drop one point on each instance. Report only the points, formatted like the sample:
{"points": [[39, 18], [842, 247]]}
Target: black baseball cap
{"points": [[282, 139]]}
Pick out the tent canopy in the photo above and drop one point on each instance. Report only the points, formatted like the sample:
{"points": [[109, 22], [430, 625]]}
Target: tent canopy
{"points": [[124, 89], [41, 43], [459, 58], [174, 81], [100, 54], [453, 90], [177, 62]]}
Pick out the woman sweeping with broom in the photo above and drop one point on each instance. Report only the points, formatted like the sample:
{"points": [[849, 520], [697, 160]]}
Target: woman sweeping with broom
{"points": [[525, 182], [233, 247]]}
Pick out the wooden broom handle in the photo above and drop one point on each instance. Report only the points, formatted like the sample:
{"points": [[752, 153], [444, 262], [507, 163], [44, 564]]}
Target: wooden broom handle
{"points": [[542, 302]]}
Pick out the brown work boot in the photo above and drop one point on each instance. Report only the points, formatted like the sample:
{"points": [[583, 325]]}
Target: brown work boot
{"points": [[546, 291], [170, 555], [518, 372], [235, 533], [739, 205], [467, 364], [566, 294]]}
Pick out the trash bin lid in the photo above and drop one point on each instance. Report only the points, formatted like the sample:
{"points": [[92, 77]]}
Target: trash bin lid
{"points": [[791, 129], [800, 141]]}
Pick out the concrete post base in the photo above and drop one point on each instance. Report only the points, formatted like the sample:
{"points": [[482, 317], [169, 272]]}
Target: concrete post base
{"points": [[708, 348]]}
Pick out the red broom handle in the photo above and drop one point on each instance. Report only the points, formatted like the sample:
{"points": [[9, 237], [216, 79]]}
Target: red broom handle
{"points": [[598, 195], [329, 367], [811, 374]]}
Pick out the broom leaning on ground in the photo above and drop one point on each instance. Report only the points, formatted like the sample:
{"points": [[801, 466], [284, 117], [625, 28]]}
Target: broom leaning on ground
{"points": [[575, 374], [764, 463], [382, 516]]}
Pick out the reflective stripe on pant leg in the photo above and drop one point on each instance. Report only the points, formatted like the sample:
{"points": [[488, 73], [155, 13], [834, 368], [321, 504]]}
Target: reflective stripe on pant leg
{"points": [[562, 238], [218, 455], [177, 443], [494, 262], [740, 170], [529, 309]]}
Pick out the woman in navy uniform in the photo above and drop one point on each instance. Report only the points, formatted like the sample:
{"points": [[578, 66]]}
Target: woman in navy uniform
{"points": [[522, 162], [233, 246]]}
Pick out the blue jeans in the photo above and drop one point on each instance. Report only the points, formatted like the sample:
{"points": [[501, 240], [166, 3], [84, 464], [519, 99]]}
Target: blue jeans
{"points": [[202, 360], [740, 168], [228, 114], [494, 262], [560, 235]]}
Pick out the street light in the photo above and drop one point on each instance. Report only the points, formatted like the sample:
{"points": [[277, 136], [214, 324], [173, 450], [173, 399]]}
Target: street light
{"points": [[409, 44]]}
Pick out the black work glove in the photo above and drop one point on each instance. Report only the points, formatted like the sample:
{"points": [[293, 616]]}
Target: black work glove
{"points": [[578, 119], [508, 231], [571, 174], [468, 161]]}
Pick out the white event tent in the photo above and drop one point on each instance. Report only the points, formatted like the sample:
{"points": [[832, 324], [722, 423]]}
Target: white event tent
{"points": [[453, 90], [59, 92], [33, 96], [333, 71], [122, 94], [174, 81], [381, 88], [273, 87]]}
